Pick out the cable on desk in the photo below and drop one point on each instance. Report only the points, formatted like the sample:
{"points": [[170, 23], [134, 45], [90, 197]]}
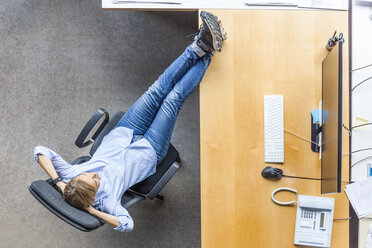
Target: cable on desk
{"points": [[364, 159], [309, 178], [361, 68], [360, 150], [365, 218], [301, 137], [342, 219], [345, 127], [361, 125], [360, 84]]}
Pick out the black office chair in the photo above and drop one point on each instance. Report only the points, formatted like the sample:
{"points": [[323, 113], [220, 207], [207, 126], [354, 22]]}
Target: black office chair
{"points": [[150, 188]]}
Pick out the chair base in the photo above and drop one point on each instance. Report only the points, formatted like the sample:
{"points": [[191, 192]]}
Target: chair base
{"points": [[160, 197]]}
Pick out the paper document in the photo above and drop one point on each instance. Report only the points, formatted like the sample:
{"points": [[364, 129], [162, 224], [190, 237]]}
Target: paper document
{"points": [[324, 4], [369, 238], [360, 196], [272, 2], [148, 1]]}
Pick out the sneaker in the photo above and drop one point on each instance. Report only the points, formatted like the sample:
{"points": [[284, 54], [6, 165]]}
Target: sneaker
{"points": [[211, 33]]}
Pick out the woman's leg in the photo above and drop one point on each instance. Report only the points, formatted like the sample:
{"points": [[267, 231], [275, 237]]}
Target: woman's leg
{"points": [[160, 131], [140, 116]]}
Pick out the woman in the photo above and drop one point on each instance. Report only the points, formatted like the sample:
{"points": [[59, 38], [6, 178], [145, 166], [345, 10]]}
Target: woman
{"points": [[131, 151]]}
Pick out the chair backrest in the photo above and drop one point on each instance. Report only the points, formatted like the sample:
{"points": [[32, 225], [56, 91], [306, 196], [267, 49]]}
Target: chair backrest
{"points": [[50, 198], [114, 120]]}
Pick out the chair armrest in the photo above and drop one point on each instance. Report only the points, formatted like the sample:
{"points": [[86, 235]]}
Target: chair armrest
{"points": [[129, 198], [81, 160], [89, 126], [164, 180]]}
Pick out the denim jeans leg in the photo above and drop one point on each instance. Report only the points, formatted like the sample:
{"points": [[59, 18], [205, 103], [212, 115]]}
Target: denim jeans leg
{"points": [[160, 131], [139, 117]]}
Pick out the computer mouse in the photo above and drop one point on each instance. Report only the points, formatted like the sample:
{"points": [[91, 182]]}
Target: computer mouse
{"points": [[271, 172]]}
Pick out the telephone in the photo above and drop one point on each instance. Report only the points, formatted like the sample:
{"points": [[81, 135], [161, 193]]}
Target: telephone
{"points": [[314, 219]]}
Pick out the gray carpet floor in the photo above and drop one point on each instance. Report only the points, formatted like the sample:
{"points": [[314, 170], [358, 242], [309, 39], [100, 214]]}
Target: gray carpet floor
{"points": [[59, 62]]}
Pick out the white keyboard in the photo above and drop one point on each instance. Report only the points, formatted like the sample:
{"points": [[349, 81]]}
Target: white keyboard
{"points": [[274, 130]]}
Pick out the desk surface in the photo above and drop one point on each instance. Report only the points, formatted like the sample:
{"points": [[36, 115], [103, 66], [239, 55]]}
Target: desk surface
{"points": [[267, 52]]}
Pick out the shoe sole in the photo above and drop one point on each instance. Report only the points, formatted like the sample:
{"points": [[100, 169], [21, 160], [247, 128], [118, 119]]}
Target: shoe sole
{"points": [[222, 30], [215, 26]]}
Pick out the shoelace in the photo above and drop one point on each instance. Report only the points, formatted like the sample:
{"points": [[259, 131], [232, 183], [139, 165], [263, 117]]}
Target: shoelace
{"points": [[201, 25]]}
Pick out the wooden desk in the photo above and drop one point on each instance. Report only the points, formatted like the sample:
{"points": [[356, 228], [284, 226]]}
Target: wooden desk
{"points": [[267, 52]]}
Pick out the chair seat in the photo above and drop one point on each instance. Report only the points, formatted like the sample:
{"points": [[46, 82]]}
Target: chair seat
{"points": [[148, 184], [53, 200], [129, 198]]}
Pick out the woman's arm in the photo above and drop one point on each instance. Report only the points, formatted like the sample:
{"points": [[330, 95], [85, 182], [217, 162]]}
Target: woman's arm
{"points": [[48, 167], [62, 168], [108, 218]]}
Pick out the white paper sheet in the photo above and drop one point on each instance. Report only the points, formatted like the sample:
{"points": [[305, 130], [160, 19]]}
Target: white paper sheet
{"points": [[360, 196]]}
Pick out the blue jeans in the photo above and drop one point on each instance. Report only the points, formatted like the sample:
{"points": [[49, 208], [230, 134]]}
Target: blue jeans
{"points": [[154, 114]]}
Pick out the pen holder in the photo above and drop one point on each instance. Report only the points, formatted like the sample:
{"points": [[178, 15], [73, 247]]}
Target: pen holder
{"points": [[314, 135]]}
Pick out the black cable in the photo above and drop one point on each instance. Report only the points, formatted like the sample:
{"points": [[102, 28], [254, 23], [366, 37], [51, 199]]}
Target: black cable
{"points": [[361, 125], [343, 219], [366, 218], [361, 150], [346, 128], [309, 178], [361, 68], [360, 84], [360, 161]]}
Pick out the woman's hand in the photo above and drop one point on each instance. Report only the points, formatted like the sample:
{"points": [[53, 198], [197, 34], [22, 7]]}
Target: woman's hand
{"points": [[47, 165], [61, 185], [108, 218], [90, 209]]}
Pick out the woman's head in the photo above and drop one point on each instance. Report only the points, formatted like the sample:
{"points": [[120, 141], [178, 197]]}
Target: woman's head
{"points": [[81, 191]]}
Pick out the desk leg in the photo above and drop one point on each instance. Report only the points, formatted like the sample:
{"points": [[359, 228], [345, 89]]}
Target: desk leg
{"points": [[353, 228]]}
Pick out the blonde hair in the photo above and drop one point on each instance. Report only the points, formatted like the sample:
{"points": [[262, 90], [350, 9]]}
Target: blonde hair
{"points": [[79, 194]]}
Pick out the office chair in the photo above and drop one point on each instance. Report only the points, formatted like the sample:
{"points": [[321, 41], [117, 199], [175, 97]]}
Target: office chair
{"points": [[50, 197]]}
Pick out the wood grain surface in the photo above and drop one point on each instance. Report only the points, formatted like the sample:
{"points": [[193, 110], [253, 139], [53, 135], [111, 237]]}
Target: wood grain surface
{"points": [[267, 52]]}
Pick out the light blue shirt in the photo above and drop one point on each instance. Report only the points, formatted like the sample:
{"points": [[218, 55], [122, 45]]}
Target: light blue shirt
{"points": [[119, 164]]}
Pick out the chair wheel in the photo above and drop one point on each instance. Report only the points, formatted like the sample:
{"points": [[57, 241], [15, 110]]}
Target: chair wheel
{"points": [[160, 197]]}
